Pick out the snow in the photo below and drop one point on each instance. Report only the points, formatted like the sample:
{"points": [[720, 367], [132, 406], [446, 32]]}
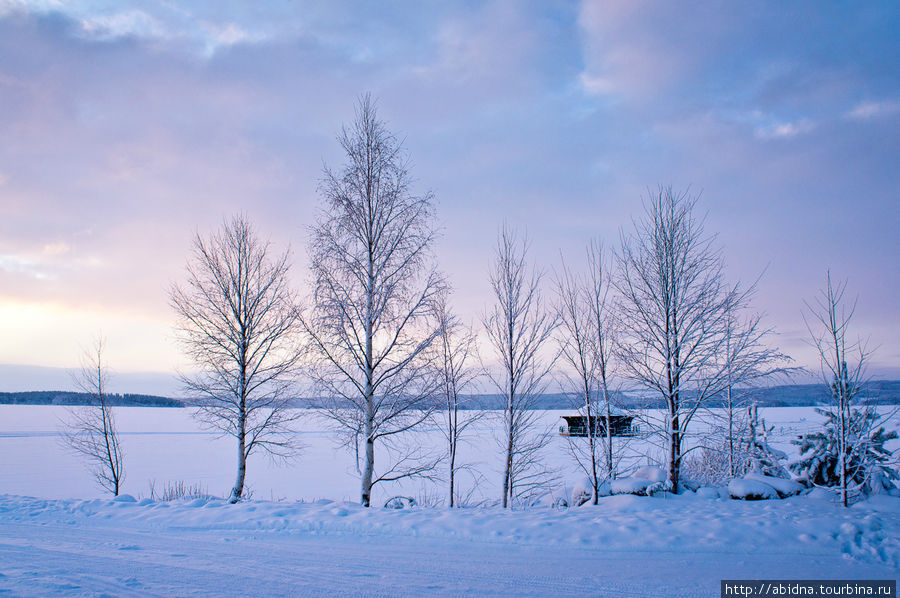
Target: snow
{"points": [[749, 489], [631, 485], [782, 486], [654, 474], [207, 547], [317, 540]]}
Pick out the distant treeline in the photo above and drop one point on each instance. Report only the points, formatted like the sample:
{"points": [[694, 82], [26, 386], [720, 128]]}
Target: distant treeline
{"points": [[879, 392], [58, 397]]}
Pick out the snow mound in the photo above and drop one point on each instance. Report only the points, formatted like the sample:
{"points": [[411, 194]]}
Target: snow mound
{"points": [[654, 474], [635, 485], [747, 489], [125, 498], [706, 492], [582, 492], [782, 486]]}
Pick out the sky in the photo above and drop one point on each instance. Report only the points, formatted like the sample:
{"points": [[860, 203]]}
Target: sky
{"points": [[128, 127]]}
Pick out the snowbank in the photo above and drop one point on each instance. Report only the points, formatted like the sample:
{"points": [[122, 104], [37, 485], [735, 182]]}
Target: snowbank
{"points": [[747, 489], [782, 486]]}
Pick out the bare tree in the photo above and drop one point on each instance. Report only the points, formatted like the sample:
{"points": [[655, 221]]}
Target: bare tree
{"points": [[457, 349], [238, 322], [375, 290], [828, 323], [519, 328], [674, 311], [749, 362], [586, 347], [91, 431]]}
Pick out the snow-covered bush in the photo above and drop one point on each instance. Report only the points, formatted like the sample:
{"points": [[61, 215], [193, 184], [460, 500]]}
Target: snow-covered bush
{"points": [[762, 458], [749, 489], [869, 470], [783, 487], [635, 485]]}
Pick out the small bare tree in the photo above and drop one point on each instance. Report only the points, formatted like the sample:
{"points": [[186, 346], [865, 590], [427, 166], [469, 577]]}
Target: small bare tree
{"points": [[372, 324], [238, 322], [674, 311], [457, 350], [91, 430], [586, 347], [519, 328], [748, 363], [828, 323]]}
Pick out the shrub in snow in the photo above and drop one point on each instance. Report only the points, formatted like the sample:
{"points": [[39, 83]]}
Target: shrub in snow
{"points": [[782, 486], [178, 490], [748, 489], [708, 466], [400, 502], [868, 461], [762, 458]]}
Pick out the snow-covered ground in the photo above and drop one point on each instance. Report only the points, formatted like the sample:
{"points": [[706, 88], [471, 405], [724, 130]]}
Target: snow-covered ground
{"points": [[626, 546], [66, 541]]}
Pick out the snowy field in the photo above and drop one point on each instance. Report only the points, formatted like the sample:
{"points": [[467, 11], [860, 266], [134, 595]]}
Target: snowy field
{"points": [[164, 446], [302, 534]]}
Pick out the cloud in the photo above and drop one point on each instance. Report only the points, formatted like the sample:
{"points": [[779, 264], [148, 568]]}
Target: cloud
{"points": [[784, 130], [54, 249], [130, 23], [871, 110], [20, 264]]}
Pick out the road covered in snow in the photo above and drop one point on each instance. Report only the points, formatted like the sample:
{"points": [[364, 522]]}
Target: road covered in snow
{"points": [[626, 546]]}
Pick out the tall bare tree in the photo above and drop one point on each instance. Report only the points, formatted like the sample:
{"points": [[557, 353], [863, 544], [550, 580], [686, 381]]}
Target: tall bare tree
{"points": [[674, 312], [519, 328], [586, 346], [843, 362], [91, 430], [457, 353], [375, 290], [238, 322]]}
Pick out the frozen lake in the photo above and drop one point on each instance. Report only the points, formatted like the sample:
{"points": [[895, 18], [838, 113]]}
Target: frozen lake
{"points": [[163, 446]]}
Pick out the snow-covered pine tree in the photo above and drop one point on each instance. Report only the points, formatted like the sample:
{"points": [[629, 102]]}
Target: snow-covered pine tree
{"points": [[869, 469], [761, 457]]}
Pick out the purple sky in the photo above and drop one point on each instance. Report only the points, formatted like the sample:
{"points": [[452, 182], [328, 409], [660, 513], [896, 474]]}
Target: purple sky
{"points": [[125, 127]]}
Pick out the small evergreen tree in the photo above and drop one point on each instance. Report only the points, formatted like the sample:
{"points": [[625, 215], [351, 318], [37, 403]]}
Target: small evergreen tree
{"points": [[868, 463], [762, 458]]}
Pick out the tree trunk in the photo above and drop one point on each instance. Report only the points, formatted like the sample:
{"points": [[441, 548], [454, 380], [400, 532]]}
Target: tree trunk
{"points": [[238, 489], [674, 453], [509, 455], [369, 466]]}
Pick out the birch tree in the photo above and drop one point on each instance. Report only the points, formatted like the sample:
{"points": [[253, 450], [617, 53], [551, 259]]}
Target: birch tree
{"points": [[238, 322], [586, 348], [91, 431], [375, 284], [457, 354], [674, 310], [519, 328]]}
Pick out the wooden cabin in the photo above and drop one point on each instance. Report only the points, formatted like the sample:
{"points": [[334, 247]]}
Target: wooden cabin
{"points": [[577, 425]]}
